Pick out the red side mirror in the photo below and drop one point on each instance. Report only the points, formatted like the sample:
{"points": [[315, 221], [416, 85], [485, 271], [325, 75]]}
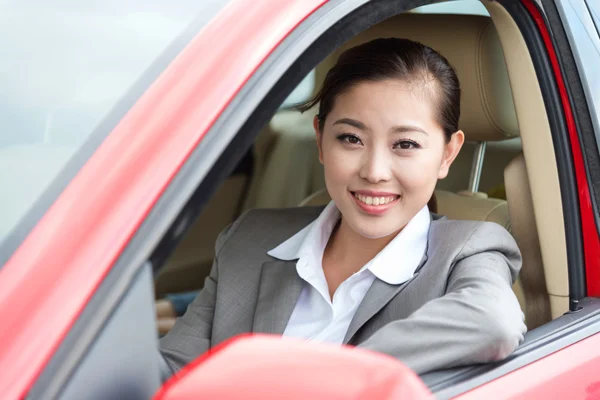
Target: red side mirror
{"points": [[268, 367]]}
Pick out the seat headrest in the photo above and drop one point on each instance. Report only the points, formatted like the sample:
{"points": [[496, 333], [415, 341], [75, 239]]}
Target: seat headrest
{"points": [[471, 45]]}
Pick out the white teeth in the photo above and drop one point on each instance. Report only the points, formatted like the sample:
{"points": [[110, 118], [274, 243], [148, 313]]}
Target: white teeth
{"points": [[375, 201]]}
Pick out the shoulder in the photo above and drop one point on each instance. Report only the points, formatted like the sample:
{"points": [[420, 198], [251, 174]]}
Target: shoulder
{"points": [[471, 237], [265, 228]]}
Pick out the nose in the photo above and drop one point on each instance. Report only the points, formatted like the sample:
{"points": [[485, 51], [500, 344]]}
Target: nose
{"points": [[376, 166]]}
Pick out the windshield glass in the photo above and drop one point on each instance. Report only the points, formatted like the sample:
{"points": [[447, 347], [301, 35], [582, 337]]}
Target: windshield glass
{"points": [[65, 65]]}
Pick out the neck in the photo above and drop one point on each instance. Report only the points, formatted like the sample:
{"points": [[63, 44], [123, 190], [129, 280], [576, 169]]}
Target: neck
{"points": [[352, 249]]}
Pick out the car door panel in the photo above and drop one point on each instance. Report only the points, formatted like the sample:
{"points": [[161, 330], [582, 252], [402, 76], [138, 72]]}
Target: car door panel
{"points": [[571, 373], [122, 363]]}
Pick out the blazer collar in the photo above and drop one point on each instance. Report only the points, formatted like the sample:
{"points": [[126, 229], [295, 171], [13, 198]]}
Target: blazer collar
{"points": [[279, 290], [378, 296], [381, 293]]}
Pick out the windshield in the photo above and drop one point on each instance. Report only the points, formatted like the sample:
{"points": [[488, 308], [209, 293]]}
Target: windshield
{"points": [[65, 65]]}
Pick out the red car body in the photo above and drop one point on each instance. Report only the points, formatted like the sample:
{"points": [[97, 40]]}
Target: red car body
{"points": [[71, 250]]}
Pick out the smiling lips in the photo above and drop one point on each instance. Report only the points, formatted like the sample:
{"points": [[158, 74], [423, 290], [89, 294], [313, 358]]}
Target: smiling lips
{"points": [[375, 203]]}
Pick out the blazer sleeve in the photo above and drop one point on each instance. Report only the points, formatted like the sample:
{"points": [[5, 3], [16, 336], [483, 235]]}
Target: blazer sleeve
{"points": [[191, 334], [478, 320]]}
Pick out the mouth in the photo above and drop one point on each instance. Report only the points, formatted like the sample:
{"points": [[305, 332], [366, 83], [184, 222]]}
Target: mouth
{"points": [[375, 203]]}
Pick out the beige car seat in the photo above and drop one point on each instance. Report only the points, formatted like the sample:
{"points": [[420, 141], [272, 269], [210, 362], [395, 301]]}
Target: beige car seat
{"points": [[522, 213]]}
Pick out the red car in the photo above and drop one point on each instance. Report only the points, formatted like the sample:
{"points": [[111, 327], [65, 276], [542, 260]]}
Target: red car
{"points": [[123, 124]]}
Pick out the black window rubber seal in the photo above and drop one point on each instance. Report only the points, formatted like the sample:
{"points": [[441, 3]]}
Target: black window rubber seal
{"points": [[580, 109], [579, 106]]}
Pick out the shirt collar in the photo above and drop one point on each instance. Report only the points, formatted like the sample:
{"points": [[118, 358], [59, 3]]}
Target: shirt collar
{"points": [[395, 264], [312, 239], [399, 260]]}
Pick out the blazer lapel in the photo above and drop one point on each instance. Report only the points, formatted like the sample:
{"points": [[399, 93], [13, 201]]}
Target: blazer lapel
{"points": [[379, 294], [278, 293]]}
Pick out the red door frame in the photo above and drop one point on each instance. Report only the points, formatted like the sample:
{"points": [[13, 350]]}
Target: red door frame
{"points": [[50, 278], [591, 241]]}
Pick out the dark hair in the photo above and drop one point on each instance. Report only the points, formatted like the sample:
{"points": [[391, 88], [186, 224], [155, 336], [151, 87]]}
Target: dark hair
{"points": [[393, 58]]}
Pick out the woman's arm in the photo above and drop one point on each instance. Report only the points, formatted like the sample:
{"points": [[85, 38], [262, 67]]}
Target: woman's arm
{"points": [[479, 319], [191, 334]]}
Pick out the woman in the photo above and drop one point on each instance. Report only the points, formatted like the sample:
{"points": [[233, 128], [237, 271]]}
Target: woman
{"points": [[374, 268]]}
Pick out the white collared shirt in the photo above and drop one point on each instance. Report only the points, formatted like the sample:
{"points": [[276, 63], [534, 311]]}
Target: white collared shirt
{"points": [[316, 316]]}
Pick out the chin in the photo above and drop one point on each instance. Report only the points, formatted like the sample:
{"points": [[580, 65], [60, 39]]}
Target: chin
{"points": [[373, 232]]}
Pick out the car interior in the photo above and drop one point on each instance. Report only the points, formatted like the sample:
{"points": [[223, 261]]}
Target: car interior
{"points": [[506, 172]]}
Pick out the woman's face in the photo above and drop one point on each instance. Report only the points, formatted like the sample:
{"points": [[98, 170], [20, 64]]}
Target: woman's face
{"points": [[383, 152]]}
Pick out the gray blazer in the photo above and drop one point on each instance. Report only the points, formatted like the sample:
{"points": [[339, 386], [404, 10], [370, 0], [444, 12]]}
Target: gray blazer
{"points": [[457, 309]]}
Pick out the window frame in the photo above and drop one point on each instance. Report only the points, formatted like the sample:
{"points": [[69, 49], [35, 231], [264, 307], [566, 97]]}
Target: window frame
{"points": [[578, 44]]}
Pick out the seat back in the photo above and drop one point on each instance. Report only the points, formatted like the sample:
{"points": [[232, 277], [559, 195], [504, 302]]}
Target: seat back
{"points": [[472, 206], [533, 277]]}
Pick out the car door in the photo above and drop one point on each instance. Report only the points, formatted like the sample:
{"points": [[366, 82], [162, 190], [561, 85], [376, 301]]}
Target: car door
{"points": [[77, 325]]}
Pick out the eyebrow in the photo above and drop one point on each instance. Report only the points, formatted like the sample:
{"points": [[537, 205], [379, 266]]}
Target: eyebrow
{"points": [[395, 129], [408, 128], [351, 122]]}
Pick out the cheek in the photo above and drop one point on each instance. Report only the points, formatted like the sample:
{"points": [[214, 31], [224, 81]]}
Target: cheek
{"points": [[418, 172], [340, 166]]}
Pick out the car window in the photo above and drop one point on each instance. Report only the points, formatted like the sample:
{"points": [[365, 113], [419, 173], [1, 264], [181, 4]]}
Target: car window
{"points": [[65, 64], [473, 7]]}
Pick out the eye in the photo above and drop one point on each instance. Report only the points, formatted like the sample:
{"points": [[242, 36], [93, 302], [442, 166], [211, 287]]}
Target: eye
{"points": [[406, 145], [349, 138]]}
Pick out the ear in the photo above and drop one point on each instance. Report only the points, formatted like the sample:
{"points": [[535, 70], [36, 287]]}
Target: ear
{"points": [[319, 135], [451, 150]]}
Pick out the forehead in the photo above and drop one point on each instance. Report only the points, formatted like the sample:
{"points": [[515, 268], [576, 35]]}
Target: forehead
{"points": [[387, 102]]}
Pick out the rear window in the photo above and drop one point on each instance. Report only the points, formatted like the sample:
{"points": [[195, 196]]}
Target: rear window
{"points": [[65, 65]]}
